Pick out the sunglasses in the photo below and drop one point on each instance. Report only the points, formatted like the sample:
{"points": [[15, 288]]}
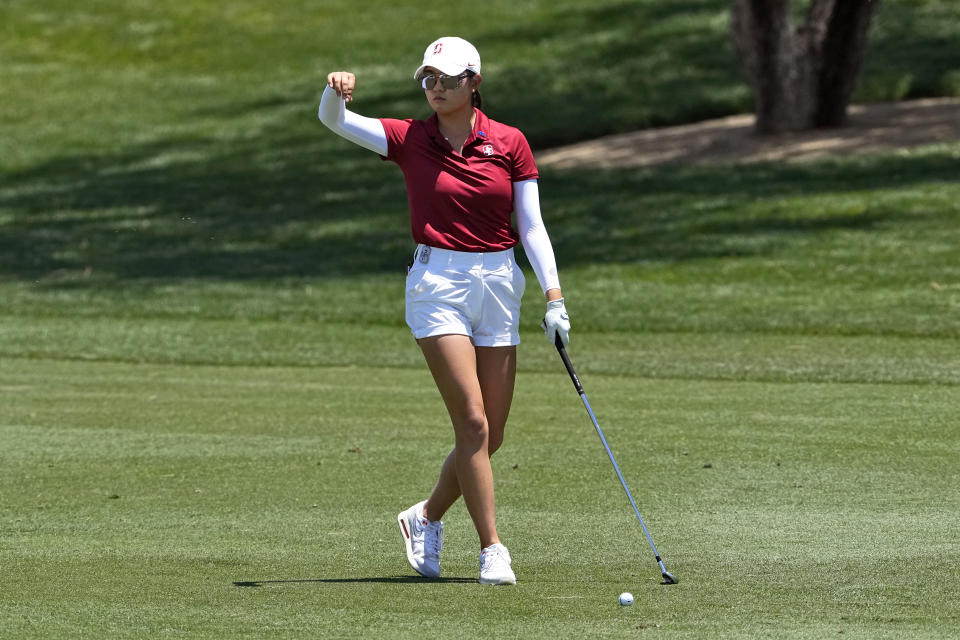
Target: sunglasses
{"points": [[447, 82]]}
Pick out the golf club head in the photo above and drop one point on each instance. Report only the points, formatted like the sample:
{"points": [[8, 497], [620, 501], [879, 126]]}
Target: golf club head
{"points": [[668, 578]]}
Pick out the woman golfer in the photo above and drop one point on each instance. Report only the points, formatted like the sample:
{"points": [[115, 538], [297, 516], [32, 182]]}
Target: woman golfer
{"points": [[465, 175]]}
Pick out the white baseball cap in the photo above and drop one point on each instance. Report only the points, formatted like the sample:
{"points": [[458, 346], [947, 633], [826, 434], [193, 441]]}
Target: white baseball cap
{"points": [[451, 55]]}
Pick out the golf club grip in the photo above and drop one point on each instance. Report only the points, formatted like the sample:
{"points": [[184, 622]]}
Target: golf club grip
{"points": [[569, 365]]}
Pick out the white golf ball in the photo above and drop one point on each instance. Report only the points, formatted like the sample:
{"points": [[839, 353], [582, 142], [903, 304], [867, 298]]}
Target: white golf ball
{"points": [[626, 599]]}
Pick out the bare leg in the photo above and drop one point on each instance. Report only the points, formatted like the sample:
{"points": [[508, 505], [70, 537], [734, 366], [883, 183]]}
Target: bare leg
{"points": [[469, 378], [496, 372]]}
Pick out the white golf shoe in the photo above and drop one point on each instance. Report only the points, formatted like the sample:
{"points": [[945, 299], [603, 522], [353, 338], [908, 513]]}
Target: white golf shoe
{"points": [[495, 566], [423, 539]]}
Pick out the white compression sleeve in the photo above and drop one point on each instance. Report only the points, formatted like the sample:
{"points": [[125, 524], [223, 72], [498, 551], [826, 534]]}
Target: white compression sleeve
{"points": [[366, 132], [533, 234]]}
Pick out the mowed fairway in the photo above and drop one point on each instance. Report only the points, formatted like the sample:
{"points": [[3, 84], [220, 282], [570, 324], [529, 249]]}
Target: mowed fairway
{"points": [[211, 410], [214, 501]]}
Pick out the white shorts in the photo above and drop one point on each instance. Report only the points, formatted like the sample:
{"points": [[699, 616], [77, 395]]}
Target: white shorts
{"points": [[470, 294]]}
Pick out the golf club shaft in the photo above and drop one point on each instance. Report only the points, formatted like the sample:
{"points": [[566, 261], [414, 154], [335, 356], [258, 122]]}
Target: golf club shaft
{"points": [[583, 396]]}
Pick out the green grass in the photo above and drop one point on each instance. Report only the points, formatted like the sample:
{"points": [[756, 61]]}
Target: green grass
{"points": [[209, 403], [855, 247], [181, 82], [218, 502]]}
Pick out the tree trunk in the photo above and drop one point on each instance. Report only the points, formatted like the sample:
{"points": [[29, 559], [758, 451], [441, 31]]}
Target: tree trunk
{"points": [[801, 77]]}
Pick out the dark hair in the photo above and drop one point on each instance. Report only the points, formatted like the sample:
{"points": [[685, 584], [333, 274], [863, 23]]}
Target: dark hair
{"points": [[477, 100]]}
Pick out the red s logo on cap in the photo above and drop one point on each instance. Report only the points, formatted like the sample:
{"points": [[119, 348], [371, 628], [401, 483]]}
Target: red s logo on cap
{"points": [[437, 48]]}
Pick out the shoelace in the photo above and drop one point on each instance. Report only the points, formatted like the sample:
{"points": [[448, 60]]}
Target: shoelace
{"points": [[433, 538], [487, 558]]}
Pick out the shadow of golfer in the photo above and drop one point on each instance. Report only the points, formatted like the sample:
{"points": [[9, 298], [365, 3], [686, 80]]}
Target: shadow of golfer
{"points": [[380, 579]]}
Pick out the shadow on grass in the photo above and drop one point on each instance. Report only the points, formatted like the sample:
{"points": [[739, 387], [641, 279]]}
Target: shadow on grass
{"points": [[376, 579], [285, 208], [912, 52], [201, 209], [286, 199], [646, 64], [688, 213]]}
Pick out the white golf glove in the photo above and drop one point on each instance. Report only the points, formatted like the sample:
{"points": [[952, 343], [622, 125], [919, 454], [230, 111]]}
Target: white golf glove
{"points": [[557, 322]]}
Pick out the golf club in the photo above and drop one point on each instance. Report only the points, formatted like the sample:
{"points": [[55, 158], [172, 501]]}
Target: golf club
{"points": [[668, 578]]}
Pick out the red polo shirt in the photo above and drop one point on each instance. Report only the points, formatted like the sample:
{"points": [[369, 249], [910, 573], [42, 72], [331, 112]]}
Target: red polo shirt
{"points": [[460, 202]]}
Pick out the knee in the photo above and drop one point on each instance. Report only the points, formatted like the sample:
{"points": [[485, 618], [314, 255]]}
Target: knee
{"points": [[472, 430]]}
